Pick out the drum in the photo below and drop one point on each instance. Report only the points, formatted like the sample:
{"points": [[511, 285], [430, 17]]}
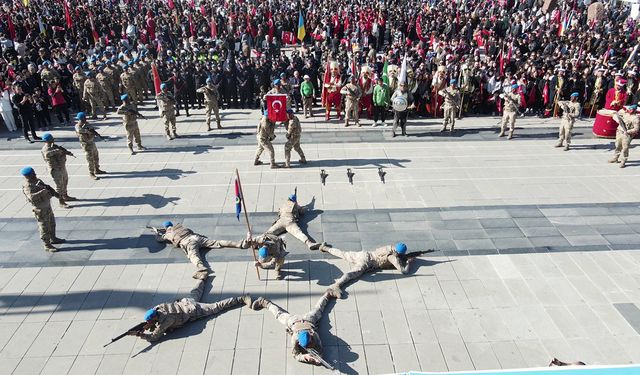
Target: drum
{"points": [[399, 103], [604, 126]]}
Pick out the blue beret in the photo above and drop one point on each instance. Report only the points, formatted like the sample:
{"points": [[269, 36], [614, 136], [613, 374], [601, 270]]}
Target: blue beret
{"points": [[631, 107], [263, 252], [276, 81], [46, 63], [167, 224], [293, 198], [282, 75], [514, 86], [89, 74], [289, 110], [47, 137], [81, 116], [401, 248], [209, 80], [124, 97], [575, 94], [150, 314], [163, 86], [26, 171], [265, 112], [77, 67], [304, 338], [453, 82]]}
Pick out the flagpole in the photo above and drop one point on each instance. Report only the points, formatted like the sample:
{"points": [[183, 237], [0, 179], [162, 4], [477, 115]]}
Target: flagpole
{"points": [[246, 218]]}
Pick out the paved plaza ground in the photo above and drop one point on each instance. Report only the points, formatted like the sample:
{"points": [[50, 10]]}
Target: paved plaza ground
{"points": [[538, 250]]}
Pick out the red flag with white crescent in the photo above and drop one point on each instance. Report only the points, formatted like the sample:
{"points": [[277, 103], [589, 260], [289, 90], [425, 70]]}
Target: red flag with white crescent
{"points": [[277, 107]]}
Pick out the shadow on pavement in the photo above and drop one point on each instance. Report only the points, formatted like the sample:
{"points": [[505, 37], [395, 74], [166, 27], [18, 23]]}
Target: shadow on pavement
{"points": [[153, 200], [170, 173], [355, 163]]}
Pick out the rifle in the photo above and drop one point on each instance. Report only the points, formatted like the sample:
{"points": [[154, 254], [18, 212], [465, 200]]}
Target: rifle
{"points": [[67, 152], [323, 176], [156, 230], [415, 254], [315, 355], [138, 328]]}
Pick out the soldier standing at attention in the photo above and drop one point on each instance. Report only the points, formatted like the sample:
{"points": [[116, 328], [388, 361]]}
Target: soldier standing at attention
{"points": [[294, 131], [167, 107], [266, 134], [628, 127], [451, 103], [87, 134], [287, 221], [511, 104], [352, 94], [570, 112], [56, 158], [130, 121], [94, 95], [166, 317], [211, 97], [39, 195], [107, 86], [302, 329], [127, 83]]}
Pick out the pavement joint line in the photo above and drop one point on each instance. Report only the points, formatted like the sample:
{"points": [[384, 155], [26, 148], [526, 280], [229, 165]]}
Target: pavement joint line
{"points": [[309, 169], [377, 180]]}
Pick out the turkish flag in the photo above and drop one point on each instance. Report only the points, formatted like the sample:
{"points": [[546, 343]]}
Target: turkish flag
{"points": [[277, 107], [288, 37]]}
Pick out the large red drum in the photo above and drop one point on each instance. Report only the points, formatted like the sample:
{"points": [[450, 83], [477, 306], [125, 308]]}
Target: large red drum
{"points": [[605, 127]]}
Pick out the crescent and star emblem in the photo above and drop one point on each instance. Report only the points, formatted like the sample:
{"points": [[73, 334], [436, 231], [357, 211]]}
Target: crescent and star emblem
{"points": [[273, 105]]}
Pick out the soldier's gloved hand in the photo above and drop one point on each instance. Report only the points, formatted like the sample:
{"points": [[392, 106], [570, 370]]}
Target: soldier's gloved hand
{"points": [[309, 359]]}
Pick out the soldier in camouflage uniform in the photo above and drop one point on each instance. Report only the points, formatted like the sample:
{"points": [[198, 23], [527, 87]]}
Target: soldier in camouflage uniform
{"points": [[451, 104], [116, 72], [287, 221], [94, 94], [211, 97], [294, 132], [510, 111], [191, 243], [352, 93], [140, 79], [366, 261], [127, 83], [107, 86], [167, 107], [570, 112], [628, 127], [166, 317], [39, 195], [271, 252], [87, 134], [78, 84], [56, 158], [130, 116], [266, 134], [302, 329]]}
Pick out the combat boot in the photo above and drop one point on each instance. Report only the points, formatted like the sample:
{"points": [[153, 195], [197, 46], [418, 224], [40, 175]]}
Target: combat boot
{"points": [[312, 245], [93, 176], [257, 162], [274, 166], [614, 160], [510, 135], [559, 144], [69, 199], [246, 299], [201, 274], [334, 292], [100, 171], [63, 204], [175, 135], [141, 148], [209, 127], [623, 162], [324, 248], [219, 126], [303, 160], [57, 240], [131, 150], [259, 303], [566, 147], [501, 133], [169, 138], [443, 128], [50, 248], [451, 129], [287, 164]]}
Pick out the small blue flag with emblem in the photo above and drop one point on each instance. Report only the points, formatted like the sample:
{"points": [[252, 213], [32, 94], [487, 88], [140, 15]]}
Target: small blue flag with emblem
{"points": [[238, 200]]}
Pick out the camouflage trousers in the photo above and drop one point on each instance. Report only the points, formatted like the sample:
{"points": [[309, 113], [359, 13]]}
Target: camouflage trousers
{"points": [[109, 96], [133, 94], [61, 178], [291, 227], [360, 262], [212, 107], [97, 106], [289, 320], [449, 117], [93, 159], [351, 111], [262, 145], [295, 145], [133, 134], [192, 245], [564, 133], [46, 223], [169, 121]]}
